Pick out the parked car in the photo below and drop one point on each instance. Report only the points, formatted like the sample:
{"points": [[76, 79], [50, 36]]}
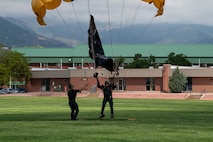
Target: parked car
{"points": [[8, 91], [2, 91], [21, 90]]}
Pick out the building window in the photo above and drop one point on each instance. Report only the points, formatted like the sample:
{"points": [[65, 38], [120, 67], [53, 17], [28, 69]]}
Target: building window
{"points": [[188, 84], [45, 84], [46, 65], [150, 84], [51, 64], [121, 84]]}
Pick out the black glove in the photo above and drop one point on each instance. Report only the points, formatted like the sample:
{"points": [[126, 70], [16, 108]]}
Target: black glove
{"points": [[95, 75]]}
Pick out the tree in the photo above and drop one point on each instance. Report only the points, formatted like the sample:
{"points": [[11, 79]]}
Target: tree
{"points": [[119, 61], [142, 63], [14, 65], [178, 59], [151, 60], [1, 45], [137, 63], [4, 75], [177, 82], [137, 57]]}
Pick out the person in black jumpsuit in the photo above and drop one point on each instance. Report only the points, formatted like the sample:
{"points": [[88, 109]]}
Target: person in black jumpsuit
{"points": [[107, 91], [72, 101]]}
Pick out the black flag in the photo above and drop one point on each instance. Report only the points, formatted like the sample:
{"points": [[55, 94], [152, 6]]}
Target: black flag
{"points": [[96, 51]]}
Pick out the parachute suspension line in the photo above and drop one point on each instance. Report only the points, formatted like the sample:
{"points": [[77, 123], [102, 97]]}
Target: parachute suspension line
{"points": [[129, 14], [121, 21], [146, 27], [77, 20], [110, 30], [63, 20], [136, 12], [92, 44], [137, 9], [88, 2]]}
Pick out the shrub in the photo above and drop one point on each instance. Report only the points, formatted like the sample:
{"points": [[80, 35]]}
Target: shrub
{"points": [[177, 82]]}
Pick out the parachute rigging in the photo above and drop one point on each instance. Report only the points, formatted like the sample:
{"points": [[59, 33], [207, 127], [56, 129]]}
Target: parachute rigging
{"points": [[41, 6]]}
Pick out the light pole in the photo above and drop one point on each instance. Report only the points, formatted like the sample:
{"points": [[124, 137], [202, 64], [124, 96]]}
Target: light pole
{"points": [[70, 61], [10, 83]]}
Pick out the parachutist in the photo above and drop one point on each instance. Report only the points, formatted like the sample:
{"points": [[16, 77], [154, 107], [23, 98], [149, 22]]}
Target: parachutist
{"points": [[72, 100], [107, 91]]}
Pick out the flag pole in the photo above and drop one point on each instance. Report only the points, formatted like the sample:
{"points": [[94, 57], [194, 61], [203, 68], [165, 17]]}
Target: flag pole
{"points": [[92, 43]]}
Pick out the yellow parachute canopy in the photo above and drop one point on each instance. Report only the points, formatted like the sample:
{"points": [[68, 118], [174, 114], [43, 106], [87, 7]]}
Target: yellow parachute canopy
{"points": [[159, 4], [51, 4], [40, 6], [68, 0], [39, 10]]}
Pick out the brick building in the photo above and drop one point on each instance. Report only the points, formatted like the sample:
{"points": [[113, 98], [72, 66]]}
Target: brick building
{"points": [[53, 68]]}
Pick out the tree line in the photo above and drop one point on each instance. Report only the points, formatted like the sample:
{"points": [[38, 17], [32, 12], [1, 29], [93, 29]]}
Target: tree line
{"points": [[140, 62]]}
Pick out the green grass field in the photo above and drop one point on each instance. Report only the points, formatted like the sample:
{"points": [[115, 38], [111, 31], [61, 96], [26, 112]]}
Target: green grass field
{"points": [[47, 119]]}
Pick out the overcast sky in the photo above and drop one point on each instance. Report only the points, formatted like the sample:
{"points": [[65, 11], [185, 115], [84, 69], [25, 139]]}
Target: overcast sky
{"points": [[120, 11]]}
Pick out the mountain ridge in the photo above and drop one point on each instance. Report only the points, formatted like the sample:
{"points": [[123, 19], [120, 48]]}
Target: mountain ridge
{"points": [[13, 35], [26, 34]]}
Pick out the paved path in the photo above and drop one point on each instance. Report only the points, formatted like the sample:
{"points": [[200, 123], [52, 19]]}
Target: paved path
{"points": [[122, 94]]}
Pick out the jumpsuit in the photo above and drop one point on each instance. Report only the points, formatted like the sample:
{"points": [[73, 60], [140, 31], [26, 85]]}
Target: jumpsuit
{"points": [[73, 104]]}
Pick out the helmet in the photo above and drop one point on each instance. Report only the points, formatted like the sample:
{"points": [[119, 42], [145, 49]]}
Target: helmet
{"points": [[106, 82], [70, 86]]}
